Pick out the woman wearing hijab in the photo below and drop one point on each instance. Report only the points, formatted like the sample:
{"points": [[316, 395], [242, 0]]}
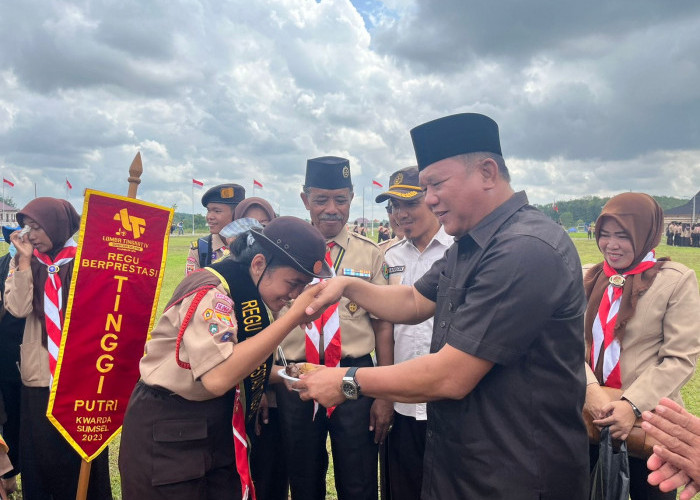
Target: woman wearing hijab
{"points": [[255, 208], [37, 289], [640, 326], [207, 364]]}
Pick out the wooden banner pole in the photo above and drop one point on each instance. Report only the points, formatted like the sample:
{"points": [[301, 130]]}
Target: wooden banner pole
{"points": [[135, 171]]}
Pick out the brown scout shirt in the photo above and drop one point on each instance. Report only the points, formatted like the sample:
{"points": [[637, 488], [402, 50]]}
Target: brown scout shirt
{"points": [[362, 257], [19, 290], [208, 341], [218, 247]]}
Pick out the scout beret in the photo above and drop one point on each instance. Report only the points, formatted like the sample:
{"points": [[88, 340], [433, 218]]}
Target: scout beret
{"points": [[403, 185], [230, 194], [298, 243], [328, 172], [7, 231], [454, 135]]}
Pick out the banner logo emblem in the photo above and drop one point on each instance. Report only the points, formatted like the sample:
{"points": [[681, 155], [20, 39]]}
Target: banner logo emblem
{"points": [[136, 225]]}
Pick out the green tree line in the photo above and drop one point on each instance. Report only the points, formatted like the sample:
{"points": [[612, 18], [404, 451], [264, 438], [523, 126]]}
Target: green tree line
{"points": [[587, 209]]}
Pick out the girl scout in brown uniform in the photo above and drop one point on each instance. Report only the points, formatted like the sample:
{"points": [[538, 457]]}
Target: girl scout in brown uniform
{"points": [[207, 363]]}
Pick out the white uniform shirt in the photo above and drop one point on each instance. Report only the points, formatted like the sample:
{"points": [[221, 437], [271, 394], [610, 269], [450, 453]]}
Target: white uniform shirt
{"points": [[406, 264]]}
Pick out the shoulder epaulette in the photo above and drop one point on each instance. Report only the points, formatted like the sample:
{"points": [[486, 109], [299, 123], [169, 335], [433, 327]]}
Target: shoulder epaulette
{"points": [[194, 245], [364, 238]]}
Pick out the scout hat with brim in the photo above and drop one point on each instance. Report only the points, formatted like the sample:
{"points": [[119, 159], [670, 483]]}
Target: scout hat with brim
{"points": [[455, 135], [297, 243], [403, 185], [7, 231], [229, 194]]}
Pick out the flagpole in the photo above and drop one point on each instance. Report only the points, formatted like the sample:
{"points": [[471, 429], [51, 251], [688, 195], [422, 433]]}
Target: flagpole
{"points": [[372, 207], [363, 203], [192, 208]]}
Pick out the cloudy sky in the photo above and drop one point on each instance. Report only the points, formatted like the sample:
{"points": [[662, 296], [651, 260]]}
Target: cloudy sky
{"points": [[592, 98]]}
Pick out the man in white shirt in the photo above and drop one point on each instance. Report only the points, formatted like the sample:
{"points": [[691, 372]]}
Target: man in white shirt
{"points": [[425, 242]]}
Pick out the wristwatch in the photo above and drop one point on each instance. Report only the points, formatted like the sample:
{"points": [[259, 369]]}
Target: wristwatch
{"points": [[636, 411], [349, 386]]}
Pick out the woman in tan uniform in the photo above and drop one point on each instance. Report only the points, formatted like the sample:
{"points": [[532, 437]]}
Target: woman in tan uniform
{"points": [[37, 289], [640, 325], [207, 364]]}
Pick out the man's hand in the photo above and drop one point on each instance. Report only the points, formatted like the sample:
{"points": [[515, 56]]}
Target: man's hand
{"points": [[298, 310], [620, 417], [666, 476], [678, 458], [381, 419], [322, 385], [330, 294]]}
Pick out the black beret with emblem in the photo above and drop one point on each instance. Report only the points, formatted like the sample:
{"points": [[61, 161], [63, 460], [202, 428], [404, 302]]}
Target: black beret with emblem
{"points": [[297, 243], [403, 185], [229, 194], [454, 135], [328, 172]]}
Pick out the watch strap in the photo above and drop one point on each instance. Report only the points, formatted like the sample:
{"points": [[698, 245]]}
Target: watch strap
{"points": [[636, 411]]}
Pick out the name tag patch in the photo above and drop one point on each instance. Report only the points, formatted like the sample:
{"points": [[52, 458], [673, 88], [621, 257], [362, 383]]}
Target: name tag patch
{"points": [[396, 269]]}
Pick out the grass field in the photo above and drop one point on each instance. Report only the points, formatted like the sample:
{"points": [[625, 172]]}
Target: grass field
{"points": [[177, 253]]}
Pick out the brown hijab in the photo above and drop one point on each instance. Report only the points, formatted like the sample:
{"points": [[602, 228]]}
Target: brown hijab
{"points": [[253, 201], [60, 221], [642, 219]]}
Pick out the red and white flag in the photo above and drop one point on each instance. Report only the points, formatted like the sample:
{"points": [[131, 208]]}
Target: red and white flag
{"points": [[256, 183], [8, 182], [197, 183], [375, 183], [70, 186]]}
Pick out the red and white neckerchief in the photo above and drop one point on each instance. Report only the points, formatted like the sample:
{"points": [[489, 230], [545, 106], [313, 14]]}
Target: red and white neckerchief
{"points": [[53, 298], [329, 324], [240, 445], [604, 341]]}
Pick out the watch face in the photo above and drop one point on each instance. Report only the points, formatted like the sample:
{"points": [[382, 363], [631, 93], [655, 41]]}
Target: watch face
{"points": [[349, 389]]}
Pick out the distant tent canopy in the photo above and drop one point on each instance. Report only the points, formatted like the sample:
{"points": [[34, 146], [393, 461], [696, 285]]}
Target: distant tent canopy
{"points": [[686, 213]]}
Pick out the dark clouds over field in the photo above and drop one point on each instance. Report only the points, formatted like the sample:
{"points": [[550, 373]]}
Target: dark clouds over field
{"points": [[591, 98]]}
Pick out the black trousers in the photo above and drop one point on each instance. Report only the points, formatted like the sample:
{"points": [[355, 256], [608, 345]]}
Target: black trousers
{"points": [[173, 448], [267, 461], [405, 450], [50, 466], [640, 489], [355, 454], [11, 390]]}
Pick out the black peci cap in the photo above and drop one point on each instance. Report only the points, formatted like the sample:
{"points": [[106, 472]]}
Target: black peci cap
{"points": [[403, 185], [229, 194], [298, 243], [454, 135], [328, 172]]}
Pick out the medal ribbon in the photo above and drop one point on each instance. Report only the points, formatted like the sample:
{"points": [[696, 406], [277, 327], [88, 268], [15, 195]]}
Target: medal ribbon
{"points": [[328, 325], [53, 298], [605, 347]]}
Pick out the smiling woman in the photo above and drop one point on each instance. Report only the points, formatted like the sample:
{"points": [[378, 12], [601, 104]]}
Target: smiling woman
{"points": [[640, 327]]}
